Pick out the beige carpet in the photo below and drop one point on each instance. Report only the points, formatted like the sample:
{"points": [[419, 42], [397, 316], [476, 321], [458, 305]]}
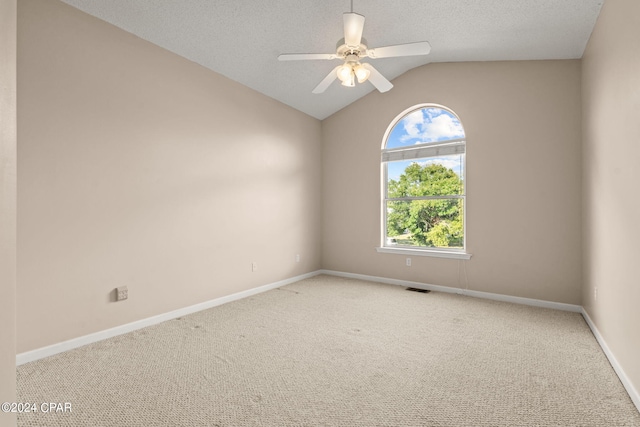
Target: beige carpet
{"points": [[329, 351]]}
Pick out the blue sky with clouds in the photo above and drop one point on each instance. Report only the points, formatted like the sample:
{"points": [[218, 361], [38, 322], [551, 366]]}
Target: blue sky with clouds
{"points": [[424, 126]]}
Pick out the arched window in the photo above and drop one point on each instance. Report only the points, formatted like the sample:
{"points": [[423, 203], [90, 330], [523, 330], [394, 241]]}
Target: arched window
{"points": [[423, 183]]}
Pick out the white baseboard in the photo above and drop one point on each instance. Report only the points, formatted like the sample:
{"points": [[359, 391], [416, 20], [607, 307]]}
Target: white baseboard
{"points": [[43, 352], [633, 393], [459, 291]]}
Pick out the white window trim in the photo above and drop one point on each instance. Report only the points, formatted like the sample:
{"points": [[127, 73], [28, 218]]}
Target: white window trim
{"points": [[457, 145], [428, 252], [434, 149]]}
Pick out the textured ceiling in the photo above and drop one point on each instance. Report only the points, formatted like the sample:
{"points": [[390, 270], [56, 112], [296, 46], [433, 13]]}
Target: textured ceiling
{"points": [[241, 39]]}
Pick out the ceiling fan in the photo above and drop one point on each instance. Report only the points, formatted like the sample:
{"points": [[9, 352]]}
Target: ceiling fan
{"points": [[351, 49]]}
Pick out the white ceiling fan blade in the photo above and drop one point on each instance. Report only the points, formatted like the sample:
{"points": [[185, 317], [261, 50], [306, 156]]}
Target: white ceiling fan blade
{"points": [[353, 26], [305, 56], [409, 49], [326, 82], [377, 79]]}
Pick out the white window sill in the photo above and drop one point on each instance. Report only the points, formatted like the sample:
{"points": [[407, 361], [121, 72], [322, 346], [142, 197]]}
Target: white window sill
{"points": [[424, 252]]}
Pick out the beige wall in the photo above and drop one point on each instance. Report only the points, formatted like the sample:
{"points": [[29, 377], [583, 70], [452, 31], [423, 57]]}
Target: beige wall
{"points": [[140, 168], [611, 173], [7, 207], [522, 121]]}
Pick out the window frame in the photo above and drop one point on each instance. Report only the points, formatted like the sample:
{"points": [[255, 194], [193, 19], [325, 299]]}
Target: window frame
{"points": [[440, 148]]}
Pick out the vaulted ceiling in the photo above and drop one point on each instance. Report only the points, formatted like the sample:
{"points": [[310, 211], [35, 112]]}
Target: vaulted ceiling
{"points": [[241, 39]]}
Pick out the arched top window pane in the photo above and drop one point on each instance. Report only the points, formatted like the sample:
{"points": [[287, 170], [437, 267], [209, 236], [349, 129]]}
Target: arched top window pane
{"points": [[424, 126], [423, 182]]}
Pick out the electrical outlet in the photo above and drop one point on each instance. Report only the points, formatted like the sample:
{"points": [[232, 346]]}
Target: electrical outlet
{"points": [[254, 266], [297, 257], [122, 293], [408, 262]]}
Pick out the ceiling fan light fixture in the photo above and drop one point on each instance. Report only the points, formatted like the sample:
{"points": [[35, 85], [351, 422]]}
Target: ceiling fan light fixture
{"points": [[351, 81], [344, 73], [362, 73]]}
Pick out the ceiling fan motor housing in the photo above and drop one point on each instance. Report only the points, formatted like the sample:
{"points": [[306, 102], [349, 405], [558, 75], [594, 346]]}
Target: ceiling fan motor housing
{"points": [[342, 50]]}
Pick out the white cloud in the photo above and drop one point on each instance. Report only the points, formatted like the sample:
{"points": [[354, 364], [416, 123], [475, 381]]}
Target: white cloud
{"points": [[412, 124], [442, 127], [431, 125]]}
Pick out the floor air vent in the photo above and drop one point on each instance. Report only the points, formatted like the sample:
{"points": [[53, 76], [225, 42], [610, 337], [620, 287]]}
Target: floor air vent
{"points": [[422, 291]]}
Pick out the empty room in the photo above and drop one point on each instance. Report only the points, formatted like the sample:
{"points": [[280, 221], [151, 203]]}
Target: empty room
{"points": [[337, 213]]}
